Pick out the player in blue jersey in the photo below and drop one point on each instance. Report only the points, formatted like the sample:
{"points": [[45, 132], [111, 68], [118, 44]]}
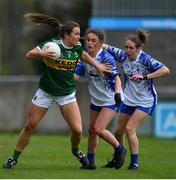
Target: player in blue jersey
{"points": [[105, 92], [140, 97], [57, 85]]}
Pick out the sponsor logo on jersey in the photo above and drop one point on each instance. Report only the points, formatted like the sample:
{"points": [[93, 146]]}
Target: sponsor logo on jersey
{"points": [[61, 64]]}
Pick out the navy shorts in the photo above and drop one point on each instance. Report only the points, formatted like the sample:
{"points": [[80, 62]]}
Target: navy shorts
{"points": [[98, 108], [130, 109]]}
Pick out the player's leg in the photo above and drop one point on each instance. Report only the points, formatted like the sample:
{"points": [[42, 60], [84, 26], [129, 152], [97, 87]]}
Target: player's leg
{"points": [[134, 122], [39, 106], [34, 115], [104, 118], [92, 140], [121, 127], [72, 115], [119, 134]]}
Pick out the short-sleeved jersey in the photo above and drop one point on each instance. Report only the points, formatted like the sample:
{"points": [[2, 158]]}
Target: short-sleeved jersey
{"points": [[101, 89], [138, 92], [57, 77]]}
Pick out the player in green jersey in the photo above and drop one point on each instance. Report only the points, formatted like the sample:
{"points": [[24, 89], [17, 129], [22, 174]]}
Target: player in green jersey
{"points": [[56, 85]]}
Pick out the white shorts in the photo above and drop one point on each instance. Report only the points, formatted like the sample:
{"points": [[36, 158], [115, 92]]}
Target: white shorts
{"points": [[45, 100]]}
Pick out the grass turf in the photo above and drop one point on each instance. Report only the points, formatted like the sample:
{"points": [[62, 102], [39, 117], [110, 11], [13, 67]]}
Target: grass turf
{"points": [[49, 157]]}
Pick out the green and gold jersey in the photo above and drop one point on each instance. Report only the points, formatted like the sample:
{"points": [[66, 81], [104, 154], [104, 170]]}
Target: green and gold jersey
{"points": [[57, 78]]}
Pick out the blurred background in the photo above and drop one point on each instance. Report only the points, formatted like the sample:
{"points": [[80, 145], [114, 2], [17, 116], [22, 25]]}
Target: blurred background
{"points": [[19, 77]]}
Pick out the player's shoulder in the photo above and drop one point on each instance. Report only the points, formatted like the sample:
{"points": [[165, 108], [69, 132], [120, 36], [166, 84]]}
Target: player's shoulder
{"points": [[145, 58], [78, 47], [105, 53], [57, 41]]}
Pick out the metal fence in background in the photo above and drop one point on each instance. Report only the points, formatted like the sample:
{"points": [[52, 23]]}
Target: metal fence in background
{"points": [[135, 8]]}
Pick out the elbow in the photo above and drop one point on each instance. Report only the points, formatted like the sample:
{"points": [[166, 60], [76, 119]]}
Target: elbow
{"points": [[167, 71], [28, 56]]}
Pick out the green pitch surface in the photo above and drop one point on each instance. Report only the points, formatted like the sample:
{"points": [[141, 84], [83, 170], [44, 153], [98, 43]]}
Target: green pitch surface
{"points": [[49, 157]]}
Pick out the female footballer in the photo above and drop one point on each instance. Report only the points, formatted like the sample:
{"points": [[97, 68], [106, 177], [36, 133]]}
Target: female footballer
{"points": [[56, 85], [105, 93], [140, 97]]}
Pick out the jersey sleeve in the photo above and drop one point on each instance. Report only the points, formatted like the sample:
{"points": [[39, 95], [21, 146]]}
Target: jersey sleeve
{"points": [[152, 64], [80, 69], [40, 45], [109, 59], [79, 48], [117, 53]]}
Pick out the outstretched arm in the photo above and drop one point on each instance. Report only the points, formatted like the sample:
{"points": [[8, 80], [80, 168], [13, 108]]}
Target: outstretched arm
{"points": [[100, 67]]}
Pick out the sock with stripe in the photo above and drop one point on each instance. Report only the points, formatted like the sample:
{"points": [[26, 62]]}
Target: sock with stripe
{"points": [[75, 150]]}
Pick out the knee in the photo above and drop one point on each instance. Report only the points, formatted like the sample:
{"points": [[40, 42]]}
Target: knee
{"points": [[91, 131], [98, 131], [29, 127], [129, 130], [77, 131]]}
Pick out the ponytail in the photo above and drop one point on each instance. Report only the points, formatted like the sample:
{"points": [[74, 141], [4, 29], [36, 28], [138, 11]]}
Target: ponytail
{"points": [[43, 19]]}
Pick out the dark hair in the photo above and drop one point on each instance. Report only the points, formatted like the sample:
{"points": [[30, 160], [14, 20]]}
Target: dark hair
{"points": [[67, 27], [140, 38], [38, 18], [97, 32]]}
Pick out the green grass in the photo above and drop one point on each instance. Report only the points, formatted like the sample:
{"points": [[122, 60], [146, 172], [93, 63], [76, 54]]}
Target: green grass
{"points": [[49, 157]]}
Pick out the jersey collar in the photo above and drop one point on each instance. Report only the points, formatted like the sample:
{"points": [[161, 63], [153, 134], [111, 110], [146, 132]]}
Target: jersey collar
{"points": [[67, 47]]}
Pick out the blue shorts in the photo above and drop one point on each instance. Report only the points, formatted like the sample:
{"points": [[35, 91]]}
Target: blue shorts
{"points": [[130, 109], [98, 108]]}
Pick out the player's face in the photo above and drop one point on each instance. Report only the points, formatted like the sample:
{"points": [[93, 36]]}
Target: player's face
{"points": [[131, 50], [93, 43], [74, 37]]}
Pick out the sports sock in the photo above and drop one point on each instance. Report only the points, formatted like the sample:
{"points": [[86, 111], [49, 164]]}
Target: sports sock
{"points": [[118, 149], [134, 159], [75, 150], [91, 157], [16, 154]]}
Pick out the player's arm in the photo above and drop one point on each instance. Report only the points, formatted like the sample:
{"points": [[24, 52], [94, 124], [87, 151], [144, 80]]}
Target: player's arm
{"points": [[160, 72], [100, 67], [105, 46], [157, 69], [38, 53], [118, 84], [79, 70], [118, 88]]}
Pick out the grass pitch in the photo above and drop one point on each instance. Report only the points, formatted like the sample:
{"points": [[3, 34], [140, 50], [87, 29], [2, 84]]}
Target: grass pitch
{"points": [[49, 157]]}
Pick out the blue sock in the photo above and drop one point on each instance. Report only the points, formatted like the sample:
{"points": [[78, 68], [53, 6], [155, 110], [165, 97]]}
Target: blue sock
{"points": [[134, 159], [118, 149], [91, 157]]}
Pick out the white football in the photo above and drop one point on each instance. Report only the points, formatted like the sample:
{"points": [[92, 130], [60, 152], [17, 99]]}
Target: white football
{"points": [[52, 46]]}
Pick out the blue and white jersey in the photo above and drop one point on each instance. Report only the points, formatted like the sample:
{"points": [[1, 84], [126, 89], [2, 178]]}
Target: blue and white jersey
{"points": [[101, 89], [138, 92]]}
